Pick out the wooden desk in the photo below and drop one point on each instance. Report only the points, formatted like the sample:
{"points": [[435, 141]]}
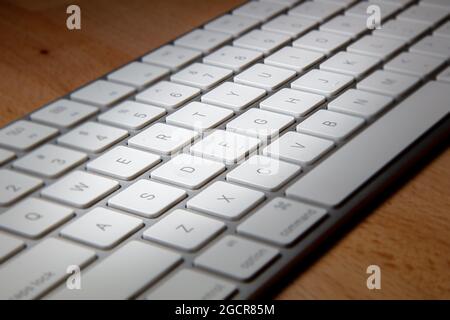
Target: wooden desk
{"points": [[40, 60]]}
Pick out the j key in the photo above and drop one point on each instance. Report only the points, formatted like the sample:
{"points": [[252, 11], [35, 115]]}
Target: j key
{"points": [[293, 58], [414, 64], [289, 25], [201, 75], [438, 47], [137, 74], [203, 40], [423, 14], [24, 135], [6, 155], [354, 65], [346, 25], [444, 76], [171, 57], [102, 93], [403, 30], [378, 47], [14, 185], [322, 82], [388, 83], [263, 41], [232, 24], [319, 11], [360, 9], [167, 94], [264, 76], [9, 246], [261, 11], [232, 58], [325, 42]]}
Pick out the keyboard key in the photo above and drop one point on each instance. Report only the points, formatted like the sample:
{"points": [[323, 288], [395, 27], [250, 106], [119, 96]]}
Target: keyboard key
{"points": [[330, 125], [298, 148], [377, 47], [360, 9], [203, 40], [14, 185], [346, 25], [92, 137], [264, 76], [147, 198], [144, 265], [80, 189], [322, 82], [167, 94], [444, 76], [263, 173], [325, 42], [33, 218], [6, 155], [423, 14], [9, 246], [50, 161], [234, 96], [184, 230], [293, 58], [102, 228], [232, 58], [24, 135], [398, 3], [414, 64], [102, 93], [137, 74], [282, 221], [354, 65], [237, 258], [64, 113], [201, 75], [171, 57], [226, 200], [48, 260], [407, 31], [188, 171], [261, 11], [443, 31], [440, 4], [231, 24], [123, 163], [263, 41], [163, 139], [319, 11], [433, 46], [289, 25], [285, 3], [388, 83]]}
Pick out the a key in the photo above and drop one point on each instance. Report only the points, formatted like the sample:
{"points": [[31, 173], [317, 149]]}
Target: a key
{"points": [[80, 189], [263, 41], [163, 139], [294, 58], [444, 76], [24, 135], [123, 163], [322, 82], [414, 64], [102, 93], [319, 11], [14, 185], [292, 102], [199, 116], [360, 9], [346, 25], [189, 284], [438, 47], [282, 221], [352, 64], [263, 173], [233, 96], [9, 246], [171, 57], [102, 228], [403, 30], [225, 146], [144, 265], [203, 40], [92, 137], [261, 11], [64, 113], [131, 115], [232, 58], [264, 76], [232, 24], [237, 258], [423, 14], [147, 198], [325, 42], [188, 171], [201, 75], [33, 218], [388, 83], [226, 200], [298, 148], [168, 95], [184, 230], [377, 47], [6, 155], [137, 74], [50, 161], [289, 25], [443, 31]]}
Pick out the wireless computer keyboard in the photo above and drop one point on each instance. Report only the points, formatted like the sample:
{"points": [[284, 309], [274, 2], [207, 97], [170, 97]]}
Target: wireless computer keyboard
{"points": [[211, 166]]}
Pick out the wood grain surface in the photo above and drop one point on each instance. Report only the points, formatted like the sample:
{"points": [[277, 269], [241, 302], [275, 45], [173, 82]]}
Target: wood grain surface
{"points": [[408, 236]]}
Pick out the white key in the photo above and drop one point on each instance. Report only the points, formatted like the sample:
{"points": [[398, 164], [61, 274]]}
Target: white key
{"points": [[50, 161], [325, 42], [318, 11], [292, 102], [244, 258], [298, 148], [293, 58], [414, 64], [102, 93], [263, 173], [234, 96], [388, 83], [188, 171], [167, 94], [199, 116], [6, 155], [131, 115], [24, 135], [260, 123], [264, 76], [290, 25], [360, 9], [352, 64], [201, 75], [226, 200], [225, 146], [232, 24], [137, 74], [398, 3], [9, 246], [443, 31], [360, 103], [184, 230], [282, 221], [80, 189], [189, 284], [47, 262], [263, 41], [123, 163], [102, 228], [444, 76], [92, 137], [330, 125], [261, 11], [14, 185], [440, 4], [322, 82], [203, 40], [377, 47], [171, 57], [346, 25], [423, 14], [232, 58], [163, 139], [403, 30], [63, 113], [34, 217], [147, 198], [144, 265], [438, 47]]}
